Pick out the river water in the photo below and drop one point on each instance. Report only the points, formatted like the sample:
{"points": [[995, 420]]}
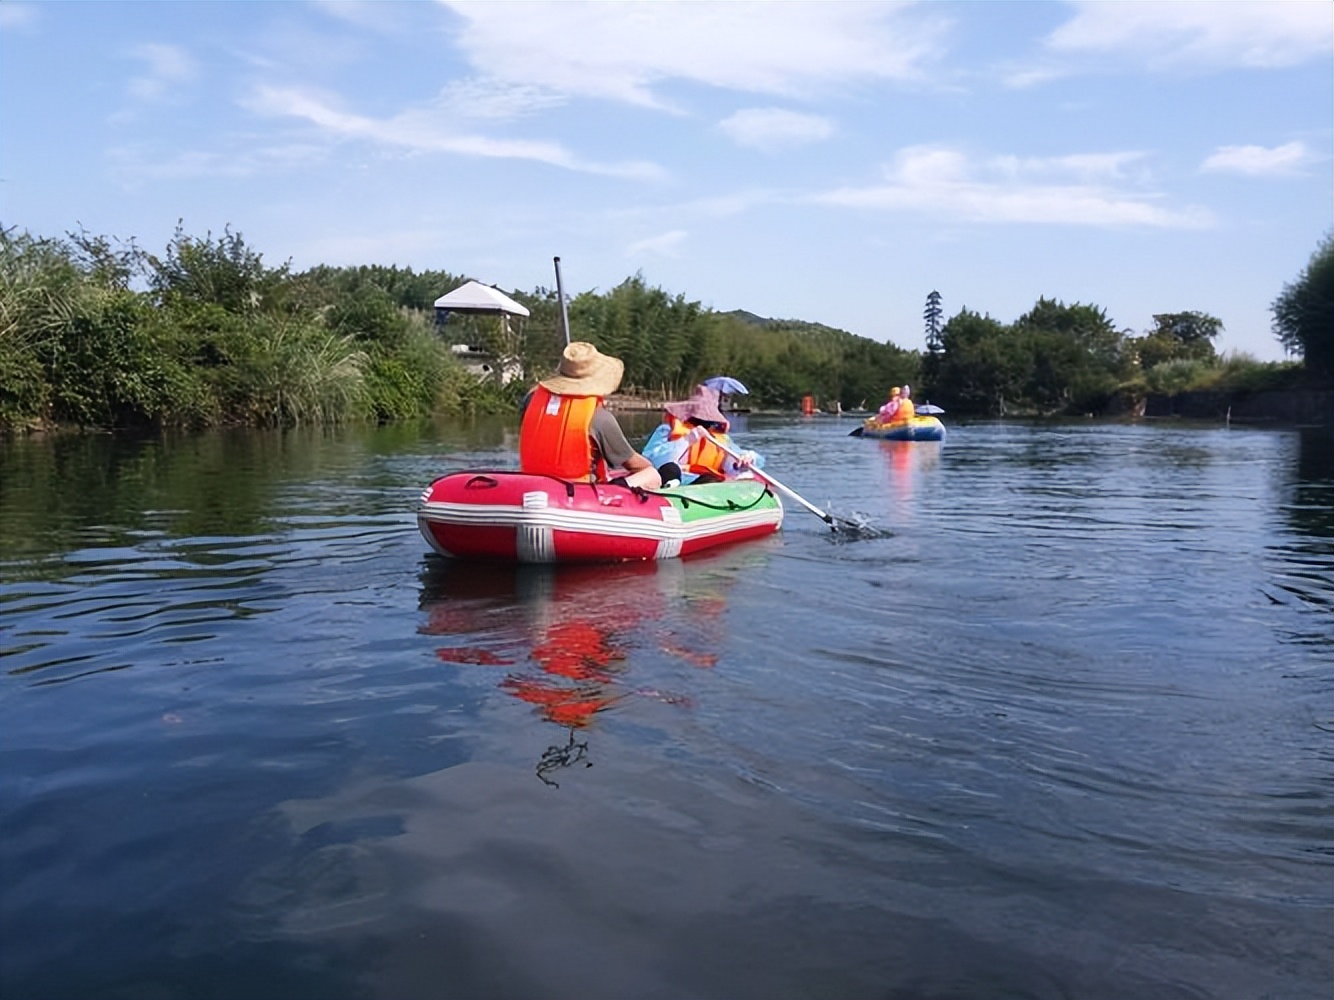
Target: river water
{"points": [[1062, 726]]}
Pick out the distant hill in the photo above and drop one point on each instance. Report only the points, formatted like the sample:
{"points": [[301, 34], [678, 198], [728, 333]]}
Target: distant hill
{"points": [[794, 325], [749, 317]]}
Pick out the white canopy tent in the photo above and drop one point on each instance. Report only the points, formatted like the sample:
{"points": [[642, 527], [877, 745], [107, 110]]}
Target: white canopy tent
{"points": [[491, 357], [475, 297]]}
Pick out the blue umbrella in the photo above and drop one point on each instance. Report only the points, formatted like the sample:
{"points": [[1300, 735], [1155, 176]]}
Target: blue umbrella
{"points": [[726, 384]]}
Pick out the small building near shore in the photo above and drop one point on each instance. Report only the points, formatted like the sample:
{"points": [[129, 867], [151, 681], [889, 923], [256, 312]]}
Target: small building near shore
{"points": [[487, 364], [494, 329]]}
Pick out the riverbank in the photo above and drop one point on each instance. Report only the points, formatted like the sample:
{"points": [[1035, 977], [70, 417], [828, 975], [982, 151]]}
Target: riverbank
{"points": [[1286, 406]]}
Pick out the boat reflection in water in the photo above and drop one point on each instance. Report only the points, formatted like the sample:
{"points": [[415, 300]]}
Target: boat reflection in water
{"points": [[565, 637], [906, 462]]}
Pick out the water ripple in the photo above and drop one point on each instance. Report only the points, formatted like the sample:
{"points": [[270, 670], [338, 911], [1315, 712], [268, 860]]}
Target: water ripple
{"points": [[1060, 727]]}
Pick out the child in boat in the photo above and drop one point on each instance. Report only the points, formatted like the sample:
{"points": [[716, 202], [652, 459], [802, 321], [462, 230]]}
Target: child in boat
{"points": [[680, 445], [890, 410], [906, 409]]}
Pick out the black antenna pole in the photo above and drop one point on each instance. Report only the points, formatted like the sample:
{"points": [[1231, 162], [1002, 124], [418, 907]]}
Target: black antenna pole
{"points": [[560, 294]]}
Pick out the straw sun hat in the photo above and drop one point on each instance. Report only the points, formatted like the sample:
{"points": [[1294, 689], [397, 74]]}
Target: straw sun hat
{"points": [[585, 371]]}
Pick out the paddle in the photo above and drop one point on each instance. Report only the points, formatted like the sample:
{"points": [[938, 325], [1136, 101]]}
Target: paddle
{"points": [[856, 432], [761, 474]]}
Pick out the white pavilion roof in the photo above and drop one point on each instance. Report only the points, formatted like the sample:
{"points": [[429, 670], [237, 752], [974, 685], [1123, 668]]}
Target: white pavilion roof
{"points": [[473, 296]]}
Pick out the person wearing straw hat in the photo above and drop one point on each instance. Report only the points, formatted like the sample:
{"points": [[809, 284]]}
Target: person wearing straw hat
{"points": [[567, 432], [685, 446]]}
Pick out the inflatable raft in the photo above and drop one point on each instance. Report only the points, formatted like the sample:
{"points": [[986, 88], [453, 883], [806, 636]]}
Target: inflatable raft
{"points": [[517, 517], [913, 429]]}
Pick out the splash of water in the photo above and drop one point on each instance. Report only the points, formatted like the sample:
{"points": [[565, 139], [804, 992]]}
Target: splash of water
{"points": [[856, 525]]}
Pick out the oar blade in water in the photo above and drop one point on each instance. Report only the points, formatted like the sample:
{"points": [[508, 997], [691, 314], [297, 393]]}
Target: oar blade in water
{"points": [[856, 525]]}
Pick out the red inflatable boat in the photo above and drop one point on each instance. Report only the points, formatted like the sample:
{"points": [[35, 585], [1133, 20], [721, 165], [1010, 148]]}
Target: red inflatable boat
{"points": [[517, 517]]}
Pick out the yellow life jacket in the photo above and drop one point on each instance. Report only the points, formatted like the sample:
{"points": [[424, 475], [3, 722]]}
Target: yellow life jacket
{"points": [[554, 438]]}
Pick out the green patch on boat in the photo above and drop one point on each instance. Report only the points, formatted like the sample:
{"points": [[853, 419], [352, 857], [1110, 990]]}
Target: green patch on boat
{"points": [[698, 503]]}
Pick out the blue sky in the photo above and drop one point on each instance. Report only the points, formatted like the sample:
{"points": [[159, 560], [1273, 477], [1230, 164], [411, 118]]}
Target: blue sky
{"points": [[828, 162]]}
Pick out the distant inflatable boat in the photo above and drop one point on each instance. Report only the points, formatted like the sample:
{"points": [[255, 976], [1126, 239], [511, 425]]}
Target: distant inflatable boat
{"points": [[522, 518], [913, 429]]}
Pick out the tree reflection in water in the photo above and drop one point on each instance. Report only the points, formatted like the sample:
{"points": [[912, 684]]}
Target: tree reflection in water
{"points": [[567, 632], [1312, 499], [1304, 565]]}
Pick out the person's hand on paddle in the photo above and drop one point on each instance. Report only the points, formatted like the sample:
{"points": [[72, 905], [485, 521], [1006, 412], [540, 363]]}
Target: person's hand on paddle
{"points": [[747, 458]]}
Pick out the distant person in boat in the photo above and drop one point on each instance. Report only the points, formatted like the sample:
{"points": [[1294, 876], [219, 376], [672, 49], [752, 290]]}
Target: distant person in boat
{"points": [[906, 409], [681, 449], [890, 411], [567, 432]]}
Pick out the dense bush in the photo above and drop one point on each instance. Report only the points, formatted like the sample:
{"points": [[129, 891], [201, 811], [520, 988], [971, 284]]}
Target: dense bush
{"points": [[214, 336]]}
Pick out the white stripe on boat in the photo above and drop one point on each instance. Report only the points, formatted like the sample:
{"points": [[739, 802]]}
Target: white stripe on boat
{"points": [[668, 548], [535, 544]]}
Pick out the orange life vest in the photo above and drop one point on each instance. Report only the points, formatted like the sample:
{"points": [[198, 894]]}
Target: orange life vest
{"points": [[554, 438], [702, 455]]}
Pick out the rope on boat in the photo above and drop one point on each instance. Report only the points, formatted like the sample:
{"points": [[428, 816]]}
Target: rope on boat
{"points": [[732, 505]]}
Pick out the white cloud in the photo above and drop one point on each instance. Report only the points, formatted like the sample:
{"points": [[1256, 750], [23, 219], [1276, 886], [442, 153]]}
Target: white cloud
{"points": [[137, 164], [424, 131], [1243, 33], [361, 13], [1257, 161], [665, 245], [1088, 166], [17, 15], [490, 99], [942, 181], [621, 51], [728, 205], [1031, 76], [774, 128], [169, 66]]}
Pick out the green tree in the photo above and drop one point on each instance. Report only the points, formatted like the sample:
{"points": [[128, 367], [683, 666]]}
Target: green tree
{"points": [[932, 315], [223, 272], [107, 261], [1077, 357], [1304, 312], [663, 341], [978, 370], [1191, 329], [1088, 326], [1055, 358], [934, 347]]}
